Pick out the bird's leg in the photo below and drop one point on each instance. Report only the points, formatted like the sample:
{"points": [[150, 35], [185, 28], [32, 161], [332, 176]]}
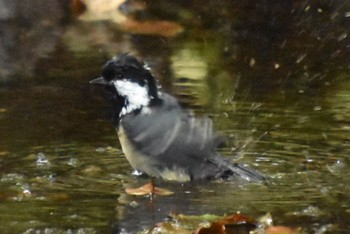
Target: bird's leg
{"points": [[153, 188]]}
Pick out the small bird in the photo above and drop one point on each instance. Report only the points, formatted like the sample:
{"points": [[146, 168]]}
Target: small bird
{"points": [[157, 136]]}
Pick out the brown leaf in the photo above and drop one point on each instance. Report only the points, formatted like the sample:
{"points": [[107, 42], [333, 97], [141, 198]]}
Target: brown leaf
{"points": [[238, 219], [77, 7], [152, 27], [233, 224], [148, 189], [215, 228], [282, 230], [59, 197]]}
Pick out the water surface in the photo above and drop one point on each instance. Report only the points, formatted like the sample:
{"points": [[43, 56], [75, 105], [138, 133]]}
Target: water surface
{"points": [[281, 99]]}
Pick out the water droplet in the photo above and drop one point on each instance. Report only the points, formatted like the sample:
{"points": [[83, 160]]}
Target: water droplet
{"points": [[42, 160], [252, 62], [317, 108], [100, 150], [342, 36], [72, 162], [26, 192], [300, 58]]}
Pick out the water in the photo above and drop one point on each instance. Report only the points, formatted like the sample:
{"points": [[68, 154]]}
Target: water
{"points": [[281, 99]]}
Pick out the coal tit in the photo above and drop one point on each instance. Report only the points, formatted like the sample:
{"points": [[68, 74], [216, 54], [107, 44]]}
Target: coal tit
{"points": [[157, 136]]}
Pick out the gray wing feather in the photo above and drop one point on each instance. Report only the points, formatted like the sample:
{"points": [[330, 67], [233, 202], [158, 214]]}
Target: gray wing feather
{"points": [[172, 139], [168, 129]]}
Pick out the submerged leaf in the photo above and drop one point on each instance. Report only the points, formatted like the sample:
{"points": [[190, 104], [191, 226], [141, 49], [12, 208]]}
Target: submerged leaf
{"points": [[148, 189], [282, 230], [211, 224], [168, 228], [97, 10], [215, 228], [238, 219], [236, 223], [152, 27], [77, 7]]}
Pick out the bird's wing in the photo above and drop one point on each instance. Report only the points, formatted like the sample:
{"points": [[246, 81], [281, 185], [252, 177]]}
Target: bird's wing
{"points": [[167, 130], [172, 138]]}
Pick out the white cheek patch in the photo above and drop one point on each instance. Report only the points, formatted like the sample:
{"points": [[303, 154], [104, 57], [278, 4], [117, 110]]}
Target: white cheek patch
{"points": [[135, 95]]}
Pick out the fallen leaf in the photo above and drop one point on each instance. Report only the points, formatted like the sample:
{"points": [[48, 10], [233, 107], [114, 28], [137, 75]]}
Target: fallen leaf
{"points": [[97, 10], [59, 197], [152, 27], [215, 228], [282, 230], [77, 7], [169, 228], [212, 224], [236, 223], [148, 189], [238, 219]]}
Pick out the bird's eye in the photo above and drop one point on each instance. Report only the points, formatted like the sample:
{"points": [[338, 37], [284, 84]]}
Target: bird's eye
{"points": [[142, 83], [119, 76]]}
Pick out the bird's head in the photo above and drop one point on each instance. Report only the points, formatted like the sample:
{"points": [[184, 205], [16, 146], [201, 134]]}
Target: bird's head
{"points": [[130, 81]]}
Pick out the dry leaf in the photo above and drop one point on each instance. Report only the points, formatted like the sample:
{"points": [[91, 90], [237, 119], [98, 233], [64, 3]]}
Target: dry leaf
{"points": [[152, 27], [282, 230], [148, 189], [77, 7]]}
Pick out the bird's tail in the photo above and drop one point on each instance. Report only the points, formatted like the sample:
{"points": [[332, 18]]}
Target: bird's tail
{"points": [[246, 173], [229, 169]]}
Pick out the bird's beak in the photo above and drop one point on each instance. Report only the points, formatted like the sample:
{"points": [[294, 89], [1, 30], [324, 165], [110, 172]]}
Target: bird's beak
{"points": [[99, 81]]}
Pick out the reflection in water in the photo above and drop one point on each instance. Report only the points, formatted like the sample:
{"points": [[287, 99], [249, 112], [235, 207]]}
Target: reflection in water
{"points": [[27, 34], [276, 86]]}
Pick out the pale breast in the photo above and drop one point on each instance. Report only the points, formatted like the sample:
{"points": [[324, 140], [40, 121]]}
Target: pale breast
{"points": [[148, 164], [136, 159]]}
